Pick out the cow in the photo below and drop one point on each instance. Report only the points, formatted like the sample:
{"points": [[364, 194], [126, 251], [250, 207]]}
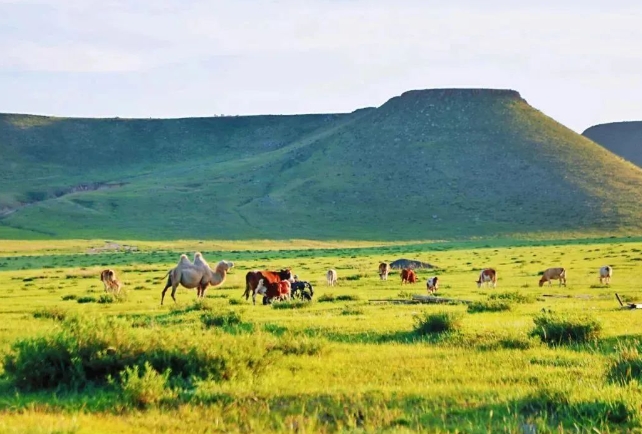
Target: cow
{"points": [[273, 290], [432, 284], [487, 276], [108, 277], [331, 277], [408, 276], [384, 270], [299, 287], [553, 274], [252, 280], [605, 274]]}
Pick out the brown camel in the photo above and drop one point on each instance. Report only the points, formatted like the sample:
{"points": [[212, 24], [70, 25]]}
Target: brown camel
{"points": [[197, 275]]}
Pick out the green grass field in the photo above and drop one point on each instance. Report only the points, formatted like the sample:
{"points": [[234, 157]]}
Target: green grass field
{"points": [[337, 364]]}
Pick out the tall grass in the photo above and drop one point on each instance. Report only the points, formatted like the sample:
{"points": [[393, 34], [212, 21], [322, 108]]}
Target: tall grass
{"points": [[557, 329], [85, 350]]}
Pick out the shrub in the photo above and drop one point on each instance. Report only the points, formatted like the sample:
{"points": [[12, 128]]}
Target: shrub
{"points": [[294, 304], [51, 313], [488, 306], [87, 299], [431, 323], [300, 345], [326, 298], [348, 297], [198, 305], [143, 389], [230, 318], [515, 296], [106, 298], [627, 366], [352, 311], [69, 297], [556, 330], [86, 351]]}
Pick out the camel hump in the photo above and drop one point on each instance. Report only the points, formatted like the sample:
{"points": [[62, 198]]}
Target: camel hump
{"points": [[184, 260], [199, 260]]}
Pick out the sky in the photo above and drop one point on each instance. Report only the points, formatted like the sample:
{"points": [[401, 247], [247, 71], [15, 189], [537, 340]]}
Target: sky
{"points": [[579, 62]]}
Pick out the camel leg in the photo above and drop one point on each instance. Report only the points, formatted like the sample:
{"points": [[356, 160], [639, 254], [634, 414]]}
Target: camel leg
{"points": [[174, 288], [167, 285]]}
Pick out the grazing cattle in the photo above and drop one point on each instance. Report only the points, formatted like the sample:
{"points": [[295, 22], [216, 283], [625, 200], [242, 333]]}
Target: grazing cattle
{"points": [[108, 277], [487, 276], [273, 290], [408, 276], [553, 274], [605, 274], [384, 270], [331, 277], [432, 284], [252, 280]]}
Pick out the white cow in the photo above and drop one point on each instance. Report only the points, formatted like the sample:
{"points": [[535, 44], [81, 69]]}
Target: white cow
{"points": [[331, 276], [605, 274]]}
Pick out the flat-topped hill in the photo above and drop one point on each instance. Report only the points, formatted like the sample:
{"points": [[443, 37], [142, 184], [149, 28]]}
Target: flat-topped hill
{"points": [[439, 163], [621, 138]]}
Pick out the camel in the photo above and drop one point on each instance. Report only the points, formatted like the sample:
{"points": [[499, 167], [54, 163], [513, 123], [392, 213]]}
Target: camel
{"points": [[197, 274]]}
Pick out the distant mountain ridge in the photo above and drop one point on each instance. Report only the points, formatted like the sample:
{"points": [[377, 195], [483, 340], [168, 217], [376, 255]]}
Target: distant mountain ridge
{"points": [[437, 163], [621, 138]]}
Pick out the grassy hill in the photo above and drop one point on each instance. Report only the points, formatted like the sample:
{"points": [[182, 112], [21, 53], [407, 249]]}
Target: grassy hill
{"points": [[621, 138], [442, 163]]}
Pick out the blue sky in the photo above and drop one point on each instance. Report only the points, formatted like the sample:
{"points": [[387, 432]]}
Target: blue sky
{"points": [[579, 62]]}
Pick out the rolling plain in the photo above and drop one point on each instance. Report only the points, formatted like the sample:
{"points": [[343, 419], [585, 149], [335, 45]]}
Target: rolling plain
{"points": [[75, 360]]}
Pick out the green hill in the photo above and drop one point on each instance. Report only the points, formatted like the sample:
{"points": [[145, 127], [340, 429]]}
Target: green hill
{"points": [[621, 138], [441, 163]]}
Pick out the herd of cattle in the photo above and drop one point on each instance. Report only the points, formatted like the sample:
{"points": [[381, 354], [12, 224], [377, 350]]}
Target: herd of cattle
{"points": [[283, 285]]}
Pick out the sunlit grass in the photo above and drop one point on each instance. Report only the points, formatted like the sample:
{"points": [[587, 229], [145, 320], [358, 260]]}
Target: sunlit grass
{"points": [[345, 364]]}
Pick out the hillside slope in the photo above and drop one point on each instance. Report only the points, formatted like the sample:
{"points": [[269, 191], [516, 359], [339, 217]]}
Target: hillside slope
{"points": [[621, 138], [441, 163]]}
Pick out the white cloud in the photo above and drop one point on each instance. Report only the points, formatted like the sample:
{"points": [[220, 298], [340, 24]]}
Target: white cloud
{"points": [[318, 55]]}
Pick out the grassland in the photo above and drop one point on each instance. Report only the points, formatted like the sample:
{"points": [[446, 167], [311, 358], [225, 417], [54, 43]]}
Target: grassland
{"points": [[337, 364]]}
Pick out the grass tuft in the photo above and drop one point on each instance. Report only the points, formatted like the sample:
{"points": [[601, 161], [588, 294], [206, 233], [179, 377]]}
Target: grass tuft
{"points": [[627, 366], [489, 306], [515, 297], [434, 323], [556, 329]]}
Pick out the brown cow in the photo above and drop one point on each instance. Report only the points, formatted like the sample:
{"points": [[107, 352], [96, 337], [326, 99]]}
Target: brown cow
{"points": [[252, 280], [487, 276], [408, 276], [384, 270], [274, 290], [553, 274], [108, 277]]}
